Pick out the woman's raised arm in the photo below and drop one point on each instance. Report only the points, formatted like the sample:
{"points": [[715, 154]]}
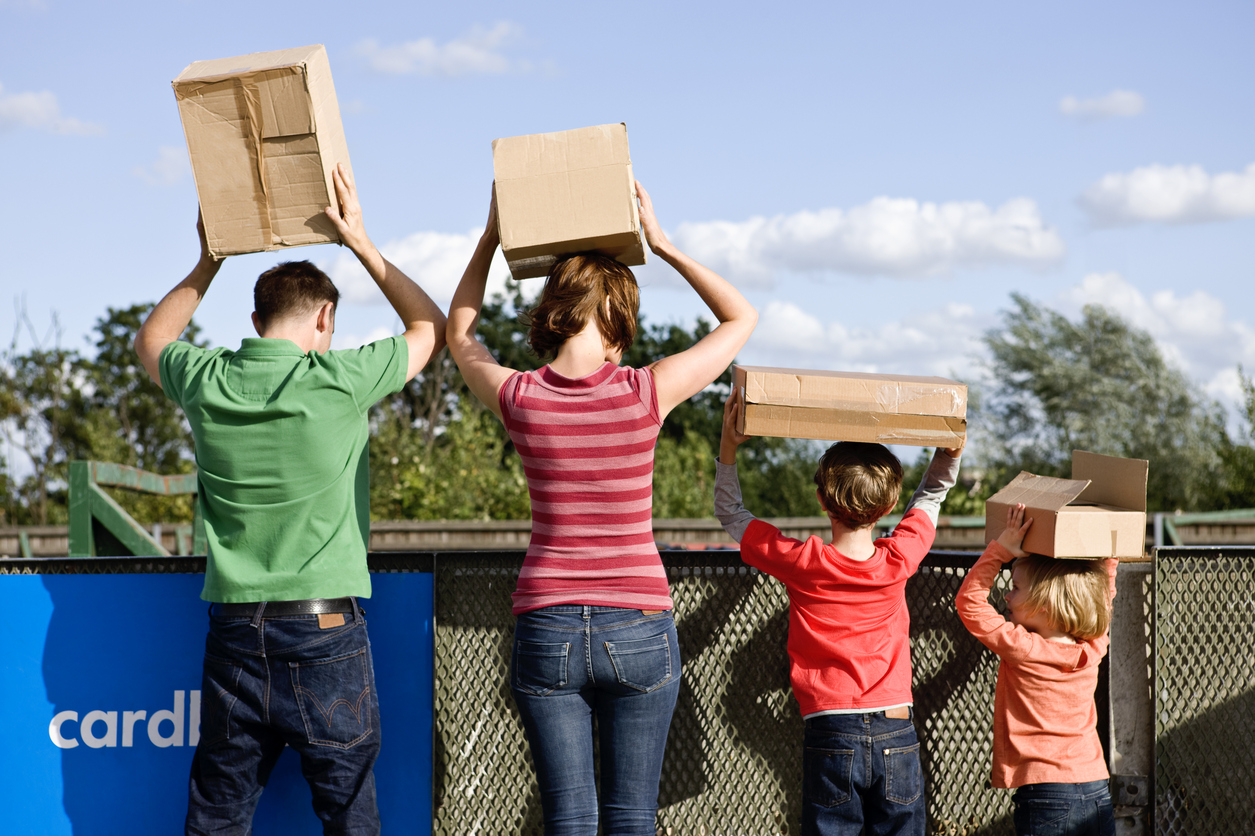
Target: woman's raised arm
{"points": [[681, 376], [481, 371]]}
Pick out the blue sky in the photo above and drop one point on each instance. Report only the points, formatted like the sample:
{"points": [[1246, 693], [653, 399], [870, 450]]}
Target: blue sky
{"points": [[878, 178]]}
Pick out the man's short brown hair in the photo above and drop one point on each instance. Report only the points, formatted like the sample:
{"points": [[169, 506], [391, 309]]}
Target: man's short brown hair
{"points": [[1074, 594], [577, 288], [858, 483], [293, 288]]}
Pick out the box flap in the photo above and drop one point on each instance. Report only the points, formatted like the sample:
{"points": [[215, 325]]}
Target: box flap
{"points": [[1043, 493], [538, 155], [898, 394], [1112, 480], [219, 67]]}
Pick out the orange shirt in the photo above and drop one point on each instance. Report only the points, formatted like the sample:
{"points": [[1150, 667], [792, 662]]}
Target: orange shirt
{"points": [[1045, 721]]}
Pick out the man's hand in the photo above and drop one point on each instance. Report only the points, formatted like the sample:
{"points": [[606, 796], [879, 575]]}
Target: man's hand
{"points": [[347, 218], [731, 439], [1013, 535]]}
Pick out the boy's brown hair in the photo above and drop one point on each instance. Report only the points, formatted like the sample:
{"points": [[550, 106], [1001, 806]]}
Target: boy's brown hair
{"points": [[858, 483], [577, 288], [293, 288], [1073, 593]]}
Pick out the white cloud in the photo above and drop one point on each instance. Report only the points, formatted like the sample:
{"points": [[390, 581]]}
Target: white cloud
{"points": [[1194, 331], [939, 342], [1115, 103], [347, 340], [1170, 194], [478, 52], [41, 112], [435, 260], [167, 170], [887, 236]]}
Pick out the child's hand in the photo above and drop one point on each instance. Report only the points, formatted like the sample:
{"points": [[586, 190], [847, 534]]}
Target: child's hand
{"points": [[955, 452], [731, 439], [1013, 535]]}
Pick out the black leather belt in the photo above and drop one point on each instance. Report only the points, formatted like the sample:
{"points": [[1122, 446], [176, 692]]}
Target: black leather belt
{"points": [[311, 606]]}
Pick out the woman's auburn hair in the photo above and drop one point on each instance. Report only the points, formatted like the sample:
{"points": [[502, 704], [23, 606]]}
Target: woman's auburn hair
{"points": [[577, 288], [1074, 594]]}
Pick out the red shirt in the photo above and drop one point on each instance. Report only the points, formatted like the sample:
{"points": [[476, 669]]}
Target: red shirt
{"points": [[849, 628], [1045, 722]]}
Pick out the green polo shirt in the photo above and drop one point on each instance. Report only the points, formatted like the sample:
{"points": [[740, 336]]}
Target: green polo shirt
{"points": [[281, 448]]}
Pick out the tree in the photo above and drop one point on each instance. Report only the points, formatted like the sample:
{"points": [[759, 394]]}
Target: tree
{"points": [[57, 406], [1101, 385]]}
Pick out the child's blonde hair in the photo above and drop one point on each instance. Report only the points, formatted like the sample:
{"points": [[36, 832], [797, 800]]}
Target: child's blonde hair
{"points": [[1073, 593]]}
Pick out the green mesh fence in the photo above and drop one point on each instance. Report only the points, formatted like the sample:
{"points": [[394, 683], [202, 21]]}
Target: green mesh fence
{"points": [[1204, 691]]}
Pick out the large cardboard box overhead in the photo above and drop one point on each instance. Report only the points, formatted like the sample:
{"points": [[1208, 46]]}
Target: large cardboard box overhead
{"points": [[264, 135], [1099, 512], [851, 406], [565, 193]]}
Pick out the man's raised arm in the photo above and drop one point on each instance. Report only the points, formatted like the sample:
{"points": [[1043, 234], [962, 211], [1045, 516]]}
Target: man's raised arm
{"points": [[170, 318], [424, 322]]}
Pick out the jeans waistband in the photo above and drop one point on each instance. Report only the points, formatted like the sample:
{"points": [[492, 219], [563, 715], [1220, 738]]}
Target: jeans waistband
{"points": [[274, 609]]}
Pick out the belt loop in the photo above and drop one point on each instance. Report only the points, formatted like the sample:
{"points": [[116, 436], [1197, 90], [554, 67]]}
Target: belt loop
{"points": [[261, 608], [357, 612]]}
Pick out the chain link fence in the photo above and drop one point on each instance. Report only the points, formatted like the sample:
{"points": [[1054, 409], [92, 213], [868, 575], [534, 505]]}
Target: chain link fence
{"points": [[1204, 691], [734, 754]]}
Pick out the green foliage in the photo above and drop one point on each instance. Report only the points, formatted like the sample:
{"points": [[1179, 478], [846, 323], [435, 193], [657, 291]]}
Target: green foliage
{"points": [[1101, 385], [58, 405], [1237, 489], [966, 499]]}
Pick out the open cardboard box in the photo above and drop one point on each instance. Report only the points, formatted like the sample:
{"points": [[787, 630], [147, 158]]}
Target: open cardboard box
{"points": [[264, 135], [564, 193], [851, 406], [1099, 512]]}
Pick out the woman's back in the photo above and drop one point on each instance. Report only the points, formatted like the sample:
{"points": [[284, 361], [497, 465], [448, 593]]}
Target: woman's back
{"points": [[587, 447]]}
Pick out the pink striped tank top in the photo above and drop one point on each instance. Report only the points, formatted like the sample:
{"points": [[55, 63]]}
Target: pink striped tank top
{"points": [[587, 446]]}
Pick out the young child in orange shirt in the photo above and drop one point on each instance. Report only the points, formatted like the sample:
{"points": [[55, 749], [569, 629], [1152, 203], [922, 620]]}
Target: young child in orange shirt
{"points": [[1045, 723]]}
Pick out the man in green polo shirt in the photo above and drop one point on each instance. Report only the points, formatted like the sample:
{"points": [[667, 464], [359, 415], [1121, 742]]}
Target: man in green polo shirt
{"points": [[281, 449]]}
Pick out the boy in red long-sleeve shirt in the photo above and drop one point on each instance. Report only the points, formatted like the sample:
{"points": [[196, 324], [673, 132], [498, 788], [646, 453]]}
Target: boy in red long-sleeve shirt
{"points": [[849, 648], [1045, 722]]}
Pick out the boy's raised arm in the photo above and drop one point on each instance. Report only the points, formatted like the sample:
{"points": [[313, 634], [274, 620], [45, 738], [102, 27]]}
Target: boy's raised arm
{"points": [[942, 473], [729, 508]]}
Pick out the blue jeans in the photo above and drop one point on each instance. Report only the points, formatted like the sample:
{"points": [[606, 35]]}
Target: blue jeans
{"points": [[270, 682], [573, 663], [1064, 810], [861, 771]]}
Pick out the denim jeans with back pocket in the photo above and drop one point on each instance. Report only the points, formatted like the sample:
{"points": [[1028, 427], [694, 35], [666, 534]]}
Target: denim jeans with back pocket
{"points": [[861, 774], [572, 664], [1064, 810], [272, 682]]}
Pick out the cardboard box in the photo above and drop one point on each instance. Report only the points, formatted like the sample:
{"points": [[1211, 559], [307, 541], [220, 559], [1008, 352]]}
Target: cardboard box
{"points": [[565, 193], [850, 406], [1099, 512], [264, 135]]}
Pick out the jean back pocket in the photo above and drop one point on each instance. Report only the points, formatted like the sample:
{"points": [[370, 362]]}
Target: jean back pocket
{"points": [[827, 776], [540, 667], [219, 695], [904, 778], [334, 698], [642, 664]]}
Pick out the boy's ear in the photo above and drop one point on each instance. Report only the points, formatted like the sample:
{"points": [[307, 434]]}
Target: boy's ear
{"points": [[819, 497]]}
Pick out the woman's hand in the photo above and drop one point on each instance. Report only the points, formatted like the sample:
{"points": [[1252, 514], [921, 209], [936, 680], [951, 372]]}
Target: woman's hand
{"points": [[1013, 535], [654, 235], [492, 234]]}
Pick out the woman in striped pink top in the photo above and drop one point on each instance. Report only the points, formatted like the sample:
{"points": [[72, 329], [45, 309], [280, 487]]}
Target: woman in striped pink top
{"points": [[594, 635]]}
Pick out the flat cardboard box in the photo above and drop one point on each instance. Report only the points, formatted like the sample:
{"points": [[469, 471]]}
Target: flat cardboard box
{"points": [[1099, 512], [264, 135], [564, 193], [851, 406]]}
